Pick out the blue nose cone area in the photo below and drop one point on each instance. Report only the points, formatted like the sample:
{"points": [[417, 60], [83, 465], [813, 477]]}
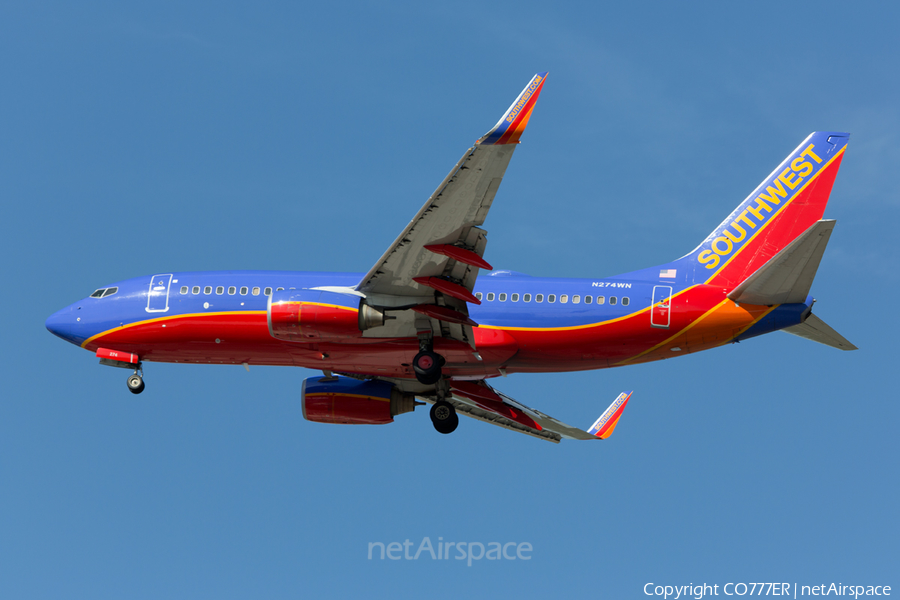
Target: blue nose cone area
{"points": [[65, 324]]}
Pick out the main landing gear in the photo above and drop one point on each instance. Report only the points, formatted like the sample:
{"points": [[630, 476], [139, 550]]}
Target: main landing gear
{"points": [[444, 417], [136, 382], [427, 366]]}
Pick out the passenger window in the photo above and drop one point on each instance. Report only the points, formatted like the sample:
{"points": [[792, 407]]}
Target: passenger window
{"points": [[612, 299], [490, 296], [231, 290], [110, 291], [195, 289], [256, 291], [601, 300], [244, 290], [588, 299], [478, 295], [515, 298], [220, 290], [526, 298], [279, 290], [539, 298], [503, 297], [576, 299], [267, 291], [626, 300], [184, 289], [207, 289], [98, 293], [551, 298], [564, 298]]}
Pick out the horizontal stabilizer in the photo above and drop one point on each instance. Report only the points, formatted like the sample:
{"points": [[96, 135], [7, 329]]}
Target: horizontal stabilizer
{"points": [[787, 277], [815, 329]]}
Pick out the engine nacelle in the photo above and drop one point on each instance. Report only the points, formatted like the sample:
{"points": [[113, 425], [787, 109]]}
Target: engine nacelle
{"points": [[348, 401], [310, 315]]}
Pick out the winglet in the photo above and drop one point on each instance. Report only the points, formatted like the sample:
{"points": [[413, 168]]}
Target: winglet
{"points": [[510, 127], [604, 426]]}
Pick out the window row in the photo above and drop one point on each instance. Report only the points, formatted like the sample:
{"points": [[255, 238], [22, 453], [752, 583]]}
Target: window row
{"points": [[551, 298], [232, 290]]}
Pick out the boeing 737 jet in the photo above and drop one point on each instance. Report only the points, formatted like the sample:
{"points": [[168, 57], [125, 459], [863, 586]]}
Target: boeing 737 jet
{"points": [[421, 324]]}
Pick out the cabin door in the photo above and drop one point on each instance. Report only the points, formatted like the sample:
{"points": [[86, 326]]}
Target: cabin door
{"points": [[158, 296], [661, 313]]}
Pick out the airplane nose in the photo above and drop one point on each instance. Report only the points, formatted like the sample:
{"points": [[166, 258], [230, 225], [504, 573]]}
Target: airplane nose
{"points": [[63, 324]]}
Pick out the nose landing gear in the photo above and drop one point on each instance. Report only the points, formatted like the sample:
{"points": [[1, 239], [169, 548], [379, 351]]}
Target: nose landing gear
{"points": [[136, 382]]}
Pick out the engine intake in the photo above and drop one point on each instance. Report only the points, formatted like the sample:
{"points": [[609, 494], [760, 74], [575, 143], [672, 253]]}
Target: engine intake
{"points": [[348, 401]]}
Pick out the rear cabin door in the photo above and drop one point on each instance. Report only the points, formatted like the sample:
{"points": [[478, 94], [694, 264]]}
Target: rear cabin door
{"points": [[158, 296], [661, 313]]}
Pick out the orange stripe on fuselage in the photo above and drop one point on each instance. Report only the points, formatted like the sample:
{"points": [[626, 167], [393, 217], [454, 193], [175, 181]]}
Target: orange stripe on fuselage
{"points": [[720, 325], [702, 317]]}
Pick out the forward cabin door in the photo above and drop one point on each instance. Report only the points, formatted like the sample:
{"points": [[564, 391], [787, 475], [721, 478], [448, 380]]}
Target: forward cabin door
{"points": [[158, 296], [661, 313]]}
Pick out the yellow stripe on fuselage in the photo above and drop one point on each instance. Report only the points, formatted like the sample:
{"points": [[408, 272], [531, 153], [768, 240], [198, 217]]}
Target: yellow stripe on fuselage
{"points": [[170, 318]]}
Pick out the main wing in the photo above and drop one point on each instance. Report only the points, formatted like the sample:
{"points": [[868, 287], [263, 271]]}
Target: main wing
{"points": [[480, 401], [432, 265]]}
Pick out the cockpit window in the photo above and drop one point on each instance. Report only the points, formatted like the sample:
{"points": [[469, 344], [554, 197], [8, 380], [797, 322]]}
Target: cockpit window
{"points": [[104, 292]]}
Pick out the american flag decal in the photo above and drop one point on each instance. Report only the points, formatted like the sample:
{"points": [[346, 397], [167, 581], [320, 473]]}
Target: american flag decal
{"points": [[668, 273]]}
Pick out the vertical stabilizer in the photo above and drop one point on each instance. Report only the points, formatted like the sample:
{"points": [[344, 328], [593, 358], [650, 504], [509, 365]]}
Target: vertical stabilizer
{"points": [[786, 204]]}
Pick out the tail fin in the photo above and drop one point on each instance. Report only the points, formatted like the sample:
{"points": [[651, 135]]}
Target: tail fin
{"points": [[787, 203]]}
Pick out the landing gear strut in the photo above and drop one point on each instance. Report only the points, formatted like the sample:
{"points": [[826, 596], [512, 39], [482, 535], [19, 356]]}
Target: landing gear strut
{"points": [[427, 366], [136, 382], [444, 417]]}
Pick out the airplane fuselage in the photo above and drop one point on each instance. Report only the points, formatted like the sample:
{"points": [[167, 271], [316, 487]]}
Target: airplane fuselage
{"points": [[526, 324]]}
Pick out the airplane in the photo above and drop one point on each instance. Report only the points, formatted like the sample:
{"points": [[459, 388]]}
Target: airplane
{"points": [[421, 326]]}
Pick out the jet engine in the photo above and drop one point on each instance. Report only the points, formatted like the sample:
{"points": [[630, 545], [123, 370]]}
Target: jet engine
{"points": [[311, 315], [348, 401]]}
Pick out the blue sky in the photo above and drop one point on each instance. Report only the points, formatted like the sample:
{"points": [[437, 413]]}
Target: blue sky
{"points": [[162, 136]]}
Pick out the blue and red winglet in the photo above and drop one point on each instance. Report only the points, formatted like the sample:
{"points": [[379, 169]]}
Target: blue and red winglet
{"points": [[510, 127], [604, 426]]}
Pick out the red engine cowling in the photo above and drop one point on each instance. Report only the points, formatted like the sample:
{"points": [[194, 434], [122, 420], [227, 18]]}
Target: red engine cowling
{"points": [[348, 401], [310, 315]]}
